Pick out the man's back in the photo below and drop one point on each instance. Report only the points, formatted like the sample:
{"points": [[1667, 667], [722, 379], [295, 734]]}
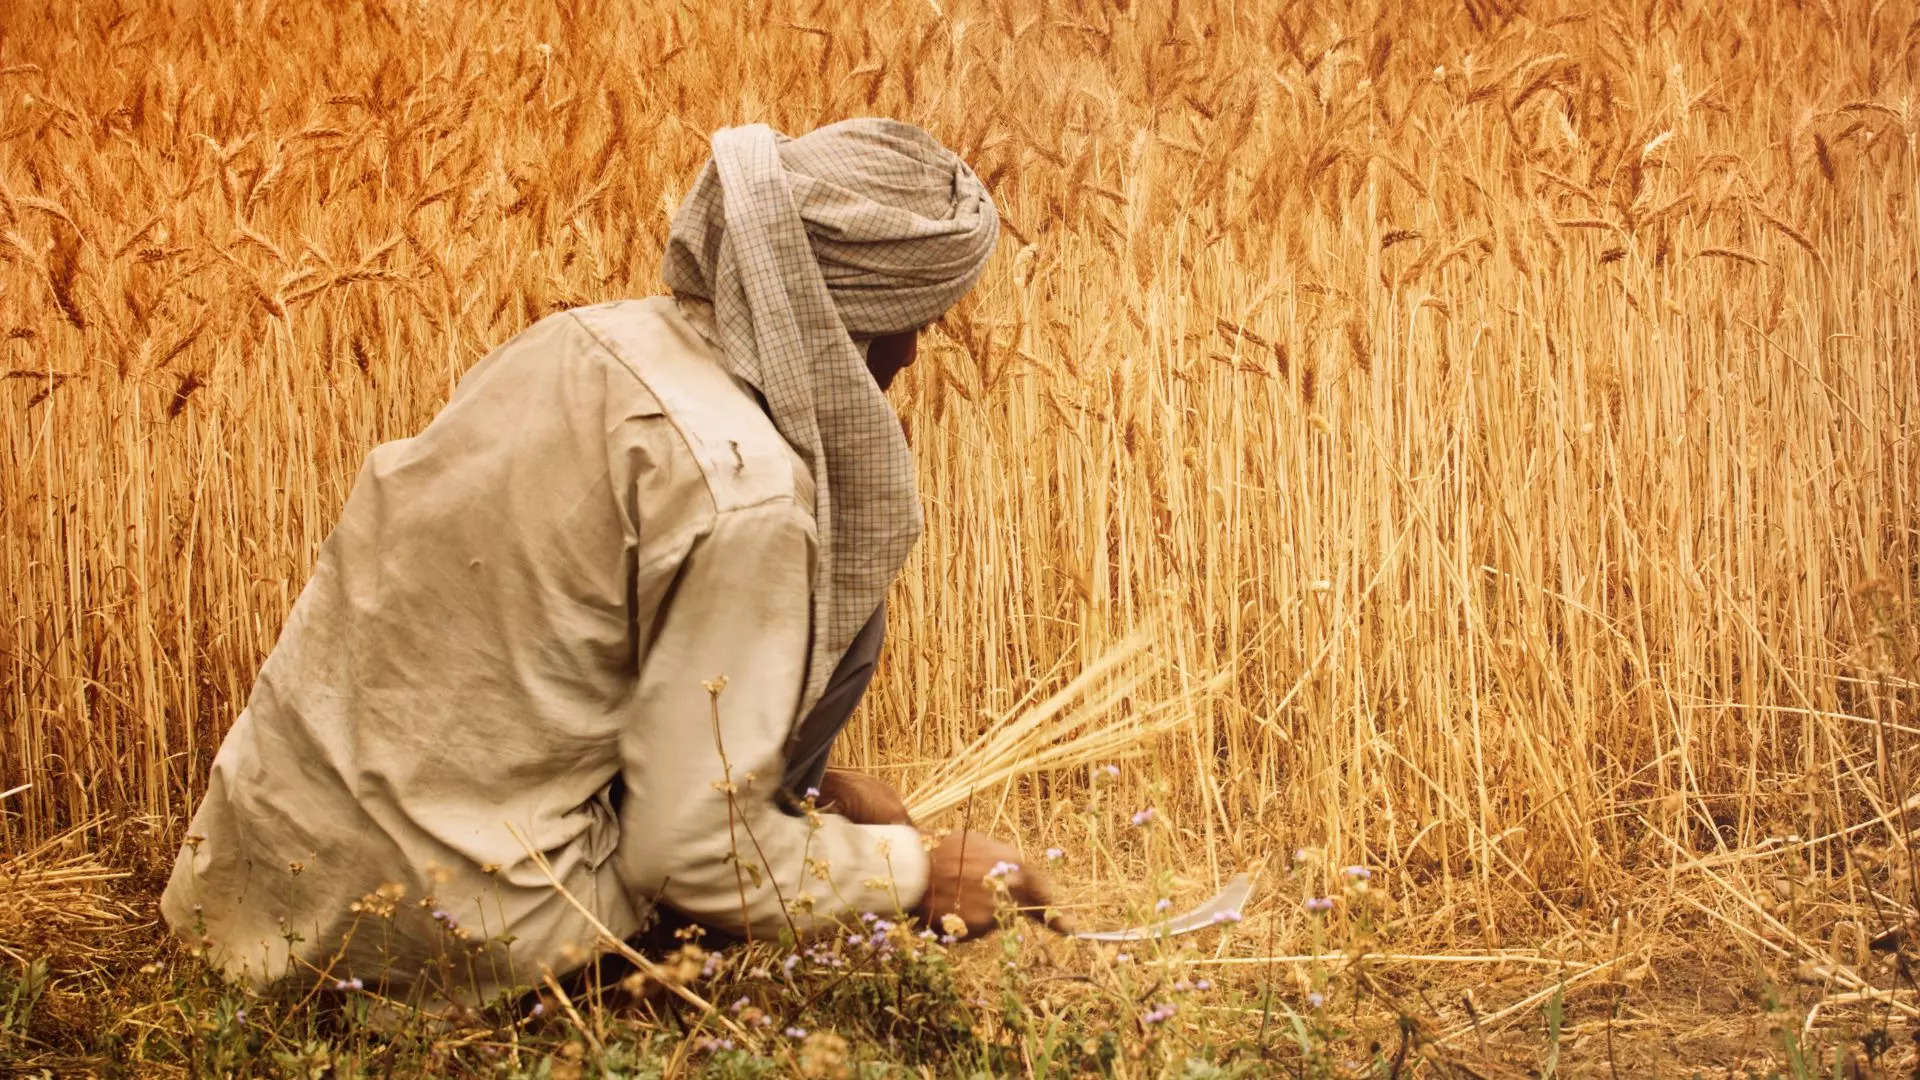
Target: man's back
{"points": [[468, 653]]}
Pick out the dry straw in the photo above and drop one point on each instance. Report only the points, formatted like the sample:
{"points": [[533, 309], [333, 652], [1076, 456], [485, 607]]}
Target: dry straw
{"points": [[1097, 716]]}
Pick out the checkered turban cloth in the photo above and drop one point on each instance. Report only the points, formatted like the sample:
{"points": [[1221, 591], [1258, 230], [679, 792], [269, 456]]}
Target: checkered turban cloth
{"points": [[859, 229]]}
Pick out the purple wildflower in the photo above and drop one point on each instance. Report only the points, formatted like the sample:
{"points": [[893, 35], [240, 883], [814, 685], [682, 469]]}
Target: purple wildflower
{"points": [[1141, 817]]}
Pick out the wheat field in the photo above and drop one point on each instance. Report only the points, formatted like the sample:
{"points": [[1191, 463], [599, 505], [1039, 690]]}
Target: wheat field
{"points": [[1497, 419]]}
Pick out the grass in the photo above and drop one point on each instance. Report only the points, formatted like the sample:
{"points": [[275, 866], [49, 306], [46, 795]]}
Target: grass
{"points": [[887, 1000], [1495, 423]]}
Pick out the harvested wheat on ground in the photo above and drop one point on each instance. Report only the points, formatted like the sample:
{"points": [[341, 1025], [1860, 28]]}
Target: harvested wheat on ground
{"points": [[967, 537]]}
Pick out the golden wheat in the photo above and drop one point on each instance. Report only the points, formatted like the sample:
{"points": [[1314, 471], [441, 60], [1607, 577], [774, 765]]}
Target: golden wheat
{"points": [[1505, 445]]}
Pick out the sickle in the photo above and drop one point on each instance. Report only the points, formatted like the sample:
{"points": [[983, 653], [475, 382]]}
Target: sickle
{"points": [[1225, 906]]}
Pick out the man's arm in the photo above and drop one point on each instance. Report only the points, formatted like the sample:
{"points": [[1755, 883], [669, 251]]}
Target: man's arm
{"points": [[719, 686]]}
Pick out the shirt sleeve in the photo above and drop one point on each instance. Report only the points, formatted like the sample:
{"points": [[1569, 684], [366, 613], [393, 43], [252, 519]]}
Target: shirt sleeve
{"points": [[720, 683]]}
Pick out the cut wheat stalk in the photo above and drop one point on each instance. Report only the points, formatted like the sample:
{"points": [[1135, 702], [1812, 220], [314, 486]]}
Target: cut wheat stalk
{"points": [[1081, 723]]}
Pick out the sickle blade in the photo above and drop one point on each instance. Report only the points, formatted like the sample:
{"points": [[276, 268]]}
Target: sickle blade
{"points": [[1225, 906]]}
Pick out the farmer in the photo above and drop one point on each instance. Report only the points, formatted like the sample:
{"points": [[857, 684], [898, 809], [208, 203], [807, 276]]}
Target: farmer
{"points": [[616, 600]]}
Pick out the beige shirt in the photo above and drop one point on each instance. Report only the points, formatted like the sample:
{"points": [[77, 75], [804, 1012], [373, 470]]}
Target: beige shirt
{"points": [[515, 623]]}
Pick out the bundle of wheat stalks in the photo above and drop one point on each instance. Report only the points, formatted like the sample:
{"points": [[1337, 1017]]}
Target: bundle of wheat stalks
{"points": [[1097, 716]]}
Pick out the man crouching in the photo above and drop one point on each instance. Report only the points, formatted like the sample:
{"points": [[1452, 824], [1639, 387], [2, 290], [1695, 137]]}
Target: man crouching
{"points": [[617, 598]]}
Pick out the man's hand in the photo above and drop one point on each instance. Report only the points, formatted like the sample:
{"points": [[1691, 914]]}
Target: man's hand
{"points": [[862, 799], [957, 884]]}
